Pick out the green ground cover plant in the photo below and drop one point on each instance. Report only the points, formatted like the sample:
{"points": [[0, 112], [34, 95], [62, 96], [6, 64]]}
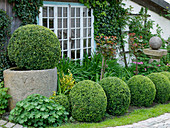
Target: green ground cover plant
{"points": [[142, 90], [4, 96], [88, 101], [118, 95], [135, 115], [162, 86], [38, 111]]}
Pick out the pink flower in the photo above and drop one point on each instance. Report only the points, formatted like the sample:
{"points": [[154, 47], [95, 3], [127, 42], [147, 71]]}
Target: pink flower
{"points": [[140, 63], [145, 69], [134, 62], [159, 65]]}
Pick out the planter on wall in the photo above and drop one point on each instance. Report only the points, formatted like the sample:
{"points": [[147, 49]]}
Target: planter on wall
{"points": [[24, 83]]}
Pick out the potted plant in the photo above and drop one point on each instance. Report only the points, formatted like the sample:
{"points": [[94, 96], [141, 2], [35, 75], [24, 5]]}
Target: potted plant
{"points": [[36, 51]]}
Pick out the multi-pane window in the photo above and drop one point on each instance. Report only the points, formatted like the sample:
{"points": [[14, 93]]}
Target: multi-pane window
{"points": [[73, 26]]}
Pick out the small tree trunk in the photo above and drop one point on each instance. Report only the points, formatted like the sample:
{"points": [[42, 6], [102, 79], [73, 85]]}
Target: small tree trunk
{"points": [[104, 67], [136, 64], [101, 76]]}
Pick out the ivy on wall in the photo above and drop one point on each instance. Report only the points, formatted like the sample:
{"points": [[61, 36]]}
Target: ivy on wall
{"points": [[27, 10], [110, 19], [5, 29]]}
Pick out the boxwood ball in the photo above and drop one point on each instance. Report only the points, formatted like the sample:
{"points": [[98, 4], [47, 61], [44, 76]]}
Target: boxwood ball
{"points": [[162, 85], [34, 47], [142, 90], [118, 95], [88, 101]]}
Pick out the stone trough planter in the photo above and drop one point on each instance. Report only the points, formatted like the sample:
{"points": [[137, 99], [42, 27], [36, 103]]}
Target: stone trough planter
{"points": [[24, 83]]}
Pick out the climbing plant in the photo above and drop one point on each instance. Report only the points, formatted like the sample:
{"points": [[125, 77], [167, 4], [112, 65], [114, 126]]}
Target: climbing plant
{"points": [[110, 19], [5, 29], [26, 10]]}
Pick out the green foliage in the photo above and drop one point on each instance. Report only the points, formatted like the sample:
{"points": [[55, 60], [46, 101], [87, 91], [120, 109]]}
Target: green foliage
{"points": [[5, 29], [142, 90], [118, 95], [3, 98], [162, 85], [27, 10], [167, 74], [88, 101], [146, 68], [141, 26], [62, 100], [34, 47], [38, 111], [90, 68]]}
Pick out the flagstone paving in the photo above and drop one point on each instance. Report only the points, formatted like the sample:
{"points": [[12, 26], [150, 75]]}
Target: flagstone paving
{"points": [[162, 121]]}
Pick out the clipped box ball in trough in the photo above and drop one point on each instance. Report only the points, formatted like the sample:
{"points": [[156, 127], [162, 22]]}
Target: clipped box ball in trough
{"points": [[36, 51]]}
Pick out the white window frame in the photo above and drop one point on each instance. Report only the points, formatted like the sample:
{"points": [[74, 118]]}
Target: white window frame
{"points": [[69, 6]]}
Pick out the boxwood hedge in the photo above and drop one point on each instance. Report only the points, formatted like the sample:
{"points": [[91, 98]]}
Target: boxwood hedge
{"points": [[34, 47], [118, 95], [142, 90], [88, 101], [162, 85]]}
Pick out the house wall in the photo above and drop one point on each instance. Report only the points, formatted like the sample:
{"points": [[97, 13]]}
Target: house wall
{"points": [[8, 8], [163, 22]]}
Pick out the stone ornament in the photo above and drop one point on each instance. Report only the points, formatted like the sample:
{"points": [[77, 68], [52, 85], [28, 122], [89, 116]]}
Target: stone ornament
{"points": [[155, 42]]}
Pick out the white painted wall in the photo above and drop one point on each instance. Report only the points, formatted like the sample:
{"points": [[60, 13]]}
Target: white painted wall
{"points": [[163, 22]]}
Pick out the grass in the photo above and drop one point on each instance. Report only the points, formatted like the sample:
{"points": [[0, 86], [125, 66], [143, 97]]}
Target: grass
{"points": [[135, 115]]}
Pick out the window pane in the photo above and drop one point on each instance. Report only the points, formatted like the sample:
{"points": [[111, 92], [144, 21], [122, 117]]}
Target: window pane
{"points": [[45, 22], [78, 54], [77, 33], [89, 42], [89, 51], [65, 34], [65, 12], [84, 43], [84, 51], [59, 11], [59, 23], [64, 23], [84, 22], [73, 54], [51, 23], [89, 22], [65, 54], [77, 12], [84, 32], [72, 23], [84, 12], [65, 45], [72, 33], [59, 34], [89, 12], [72, 44], [78, 22], [89, 32], [51, 11], [44, 11], [78, 43], [72, 12]]}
